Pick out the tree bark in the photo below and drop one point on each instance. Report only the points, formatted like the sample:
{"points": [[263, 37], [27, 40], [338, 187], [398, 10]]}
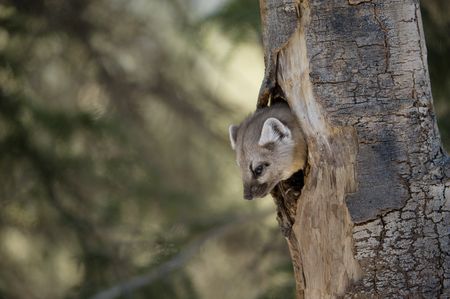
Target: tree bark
{"points": [[373, 217]]}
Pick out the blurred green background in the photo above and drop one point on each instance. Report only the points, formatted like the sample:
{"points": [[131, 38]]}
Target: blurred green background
{"points": [[115, 166]]}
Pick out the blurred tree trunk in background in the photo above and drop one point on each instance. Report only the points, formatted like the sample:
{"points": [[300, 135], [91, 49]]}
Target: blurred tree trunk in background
{"points": [[373, 217]]}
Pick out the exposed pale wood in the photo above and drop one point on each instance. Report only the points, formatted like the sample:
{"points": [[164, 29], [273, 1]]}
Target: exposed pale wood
{"points": [[322, 227], [358, 68]]}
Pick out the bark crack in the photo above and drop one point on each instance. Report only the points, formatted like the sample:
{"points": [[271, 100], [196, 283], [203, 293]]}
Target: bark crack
{"points": [[421, 37], [357, 2], [378, 253], [385, 37]]}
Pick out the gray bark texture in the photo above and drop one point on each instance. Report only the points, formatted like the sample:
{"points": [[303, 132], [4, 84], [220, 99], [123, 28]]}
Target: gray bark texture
{"points": [[373, 217]]}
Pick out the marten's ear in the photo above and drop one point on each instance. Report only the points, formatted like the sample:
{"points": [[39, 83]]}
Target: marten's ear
{"points": [[273, 131], [232, 130]]}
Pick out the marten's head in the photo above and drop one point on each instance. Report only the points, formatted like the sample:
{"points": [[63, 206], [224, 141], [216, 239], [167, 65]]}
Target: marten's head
{"points": [[267, 150]]}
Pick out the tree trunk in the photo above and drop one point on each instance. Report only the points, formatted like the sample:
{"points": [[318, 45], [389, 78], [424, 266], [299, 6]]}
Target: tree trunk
{"points": [[373, 217]]}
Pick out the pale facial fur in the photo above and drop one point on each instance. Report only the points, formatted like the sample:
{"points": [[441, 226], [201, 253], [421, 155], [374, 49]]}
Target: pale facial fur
{"points": [[269, 147]]}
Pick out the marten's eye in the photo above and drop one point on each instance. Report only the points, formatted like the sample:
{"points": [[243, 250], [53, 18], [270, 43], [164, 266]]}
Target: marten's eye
{"points": [[258, 170]]}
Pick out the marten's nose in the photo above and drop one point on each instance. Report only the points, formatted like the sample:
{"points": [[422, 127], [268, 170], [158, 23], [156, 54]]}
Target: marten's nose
{"points": [[248, 193], [248, 196]]}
